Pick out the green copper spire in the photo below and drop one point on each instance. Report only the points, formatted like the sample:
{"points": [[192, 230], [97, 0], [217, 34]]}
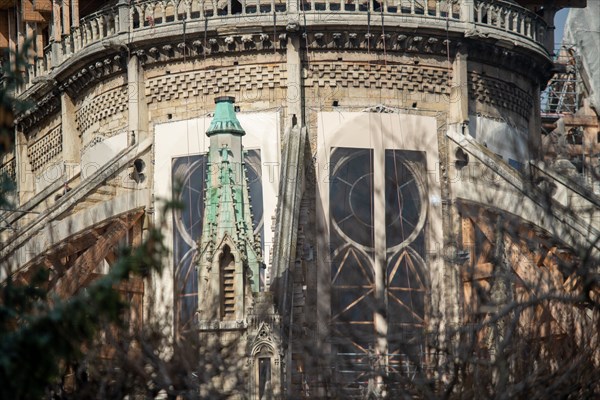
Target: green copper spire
{"points": [[227, 213], [224, 120]]}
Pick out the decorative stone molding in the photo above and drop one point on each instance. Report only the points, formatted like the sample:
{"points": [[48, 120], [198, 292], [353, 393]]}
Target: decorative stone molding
{"points": [[43, 108], [102, 107], [389, 41], [208, 82], [45, 149], [95, 140], [200, 47], [391, 76], [383, 109], [75, 84], [534, 68], [495, 92]]}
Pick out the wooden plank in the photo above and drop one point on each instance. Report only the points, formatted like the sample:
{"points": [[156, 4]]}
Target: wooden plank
{"points": [[580, 120], [468, 239], [28, 14], [85, 265], [75, 13], [483, 271], [4, 29], [4, 4], [134, 284], [485, 252], [66, 17], [57, 30], [42, 6]]}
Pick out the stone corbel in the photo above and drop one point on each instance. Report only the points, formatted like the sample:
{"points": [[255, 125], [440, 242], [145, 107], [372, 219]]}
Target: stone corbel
{"points": [[248, 42], [385, 39], [431, 44], [153, 51], [401, 42], [230, 42], [213, 45], [181, 48], [141, 55], [292, 26], [167, 50], [415, 43], [319, 39], [337, 39], [353, 39], [96, 69], [198, 46], [446, 44], [265, 40], [283, 40]]}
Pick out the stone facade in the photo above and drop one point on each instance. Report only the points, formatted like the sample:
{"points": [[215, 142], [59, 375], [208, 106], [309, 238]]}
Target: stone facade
{"points": [[406, 85]]}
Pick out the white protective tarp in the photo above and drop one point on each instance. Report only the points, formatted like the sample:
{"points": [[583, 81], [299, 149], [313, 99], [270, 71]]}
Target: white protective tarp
{"points": [[583, 29]]}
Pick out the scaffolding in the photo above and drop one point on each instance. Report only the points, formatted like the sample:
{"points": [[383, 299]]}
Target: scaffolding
{"points": [[561, 95]]}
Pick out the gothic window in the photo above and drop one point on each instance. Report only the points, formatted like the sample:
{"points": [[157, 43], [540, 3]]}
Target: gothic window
{"points": [[377, 237], [227, 277], [189, 174], [264, 376]]}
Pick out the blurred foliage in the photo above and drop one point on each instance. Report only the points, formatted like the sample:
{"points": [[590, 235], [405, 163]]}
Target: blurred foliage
{"points": [[40, 334]]}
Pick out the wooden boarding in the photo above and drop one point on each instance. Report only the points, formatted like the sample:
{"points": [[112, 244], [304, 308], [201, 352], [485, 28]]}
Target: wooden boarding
{"points": [[29, 14], [42, 6], [81, 272], [4, 29]]}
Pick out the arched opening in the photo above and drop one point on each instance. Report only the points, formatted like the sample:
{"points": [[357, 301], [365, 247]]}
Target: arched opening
{"points": [[265, 375], [227, 275], [170, 12]]}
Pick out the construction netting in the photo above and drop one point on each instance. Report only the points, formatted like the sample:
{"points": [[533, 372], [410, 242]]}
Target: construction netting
{"points": [[583, 29]]}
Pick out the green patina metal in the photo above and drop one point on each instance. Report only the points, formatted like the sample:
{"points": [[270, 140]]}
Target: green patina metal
{"points": [[227, 199], [225, 120]]}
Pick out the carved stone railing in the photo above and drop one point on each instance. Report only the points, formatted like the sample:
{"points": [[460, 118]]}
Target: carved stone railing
{"points": [[508, 17], [150, 13], [93, 28], [446, 9], [140, 20]]}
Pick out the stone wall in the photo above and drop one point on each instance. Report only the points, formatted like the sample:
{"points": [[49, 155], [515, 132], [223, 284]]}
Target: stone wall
{"points": [[101, 110]]}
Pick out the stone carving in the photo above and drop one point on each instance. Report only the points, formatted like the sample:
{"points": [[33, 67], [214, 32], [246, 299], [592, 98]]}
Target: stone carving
{"points": [[42, 109], [45, 149], [9, 169], [76, 83], [199, 83], [498, 93], [401, 77], [102, 107]]}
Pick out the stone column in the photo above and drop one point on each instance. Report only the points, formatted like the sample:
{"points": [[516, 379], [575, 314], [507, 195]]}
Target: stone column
{"points": [[70, 137], [39, 41], [294, 78], [124, 9], [66, 16], [75, 13], [467, 10], [138, 112], [459, 93], [56, 34], [292, 6], [25, 177]]}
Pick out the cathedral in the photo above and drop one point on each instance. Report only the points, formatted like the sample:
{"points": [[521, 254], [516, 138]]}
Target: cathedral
{"points": [[360, 180]]}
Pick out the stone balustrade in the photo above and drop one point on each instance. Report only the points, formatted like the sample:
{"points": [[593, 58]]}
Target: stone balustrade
{"points": [[140, 19], [508, 17]]}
